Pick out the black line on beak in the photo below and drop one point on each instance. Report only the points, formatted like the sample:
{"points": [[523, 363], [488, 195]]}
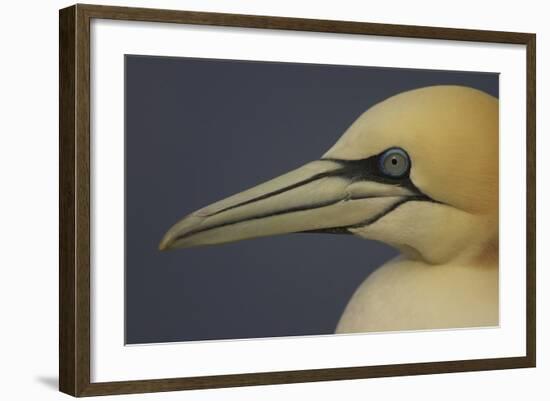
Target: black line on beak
{"points": [[314, 177], [271, 214], [353, 170], [373, 219]]}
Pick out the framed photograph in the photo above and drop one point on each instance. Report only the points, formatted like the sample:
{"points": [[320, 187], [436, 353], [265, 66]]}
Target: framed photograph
{"points": [[251, 200]]}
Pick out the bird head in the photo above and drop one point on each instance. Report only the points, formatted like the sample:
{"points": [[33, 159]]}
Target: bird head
{"points": [[418, 171]]}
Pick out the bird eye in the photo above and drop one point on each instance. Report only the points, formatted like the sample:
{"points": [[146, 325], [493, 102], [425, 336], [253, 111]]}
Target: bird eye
{"points": [[395, 162]]}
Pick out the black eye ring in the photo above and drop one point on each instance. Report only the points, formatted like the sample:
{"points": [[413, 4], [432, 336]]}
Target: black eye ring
{"points": [[394, 162]]}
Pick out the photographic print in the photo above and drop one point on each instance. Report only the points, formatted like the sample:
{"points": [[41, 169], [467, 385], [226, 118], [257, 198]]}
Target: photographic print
{"points": [[276, 199]]}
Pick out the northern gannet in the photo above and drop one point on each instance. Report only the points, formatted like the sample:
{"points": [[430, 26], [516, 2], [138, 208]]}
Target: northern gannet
{"points": [[418, 171]]}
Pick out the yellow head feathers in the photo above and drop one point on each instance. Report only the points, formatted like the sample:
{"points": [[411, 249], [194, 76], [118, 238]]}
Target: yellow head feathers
{"points": [[450, 134]]}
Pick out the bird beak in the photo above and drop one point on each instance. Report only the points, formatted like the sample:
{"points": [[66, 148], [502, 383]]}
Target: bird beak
{"points": [[322, 196]]}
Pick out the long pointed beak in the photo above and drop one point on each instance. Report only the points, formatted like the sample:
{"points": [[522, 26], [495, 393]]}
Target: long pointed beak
{"points": [[323, 195]]}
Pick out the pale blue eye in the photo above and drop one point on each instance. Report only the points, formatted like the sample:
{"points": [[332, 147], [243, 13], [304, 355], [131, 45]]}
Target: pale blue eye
{"points": [[395, 162]]}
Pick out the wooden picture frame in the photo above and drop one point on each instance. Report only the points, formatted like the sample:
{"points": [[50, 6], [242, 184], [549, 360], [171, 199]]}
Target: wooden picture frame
{"points": [[74, 206]]}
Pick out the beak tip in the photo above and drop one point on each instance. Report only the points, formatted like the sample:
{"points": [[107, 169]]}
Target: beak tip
{"points": [[174, 237], [165, 244]]}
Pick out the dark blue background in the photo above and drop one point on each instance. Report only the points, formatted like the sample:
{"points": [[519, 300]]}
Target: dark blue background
{"points": [[198, 130]]}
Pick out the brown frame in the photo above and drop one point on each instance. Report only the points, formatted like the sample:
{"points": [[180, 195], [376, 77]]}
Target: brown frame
{"points": [[74, 203]]}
